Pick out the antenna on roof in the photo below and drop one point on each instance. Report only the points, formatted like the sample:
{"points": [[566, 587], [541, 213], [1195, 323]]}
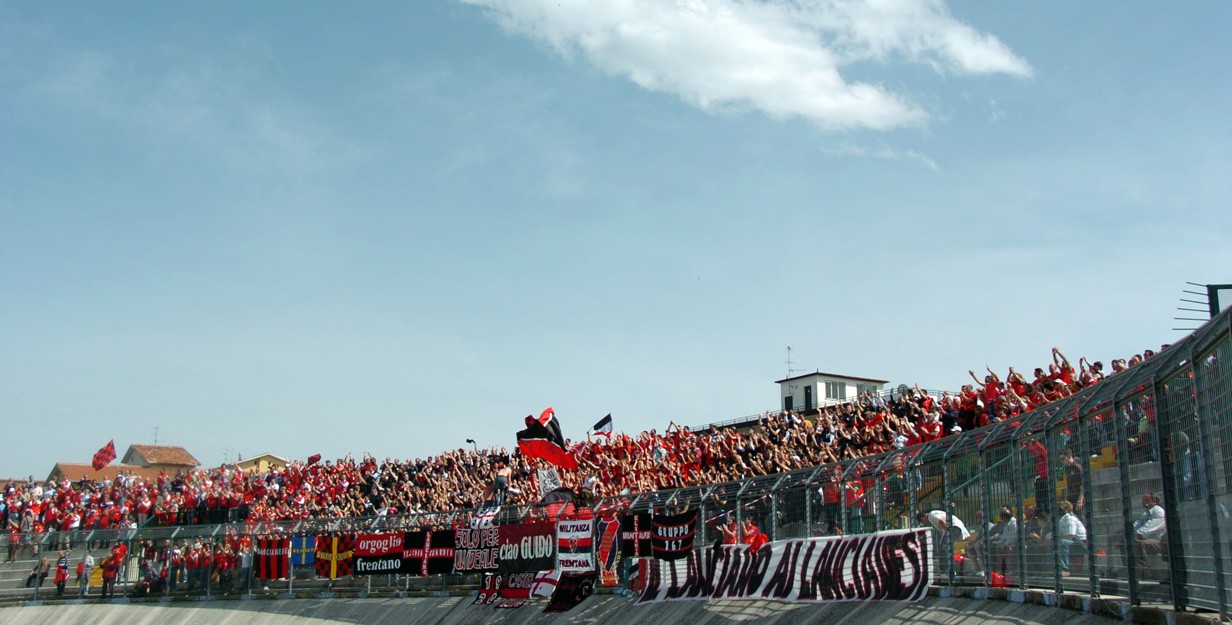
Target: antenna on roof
{"points": [[156, 435], [789, 363]]}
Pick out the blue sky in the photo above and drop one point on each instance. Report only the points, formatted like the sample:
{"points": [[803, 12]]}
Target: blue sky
{"points": [[388, 227]]}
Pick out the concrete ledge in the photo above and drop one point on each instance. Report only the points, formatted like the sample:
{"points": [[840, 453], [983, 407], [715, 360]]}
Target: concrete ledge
{"points": [[944, 606]]}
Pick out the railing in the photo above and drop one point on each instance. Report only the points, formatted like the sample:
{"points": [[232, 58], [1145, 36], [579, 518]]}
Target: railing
{"points": [[751, 420], [1163, 427]]}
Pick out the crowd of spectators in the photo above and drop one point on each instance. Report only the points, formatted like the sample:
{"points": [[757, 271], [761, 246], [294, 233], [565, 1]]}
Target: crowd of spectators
{"points": [[464, 478]]}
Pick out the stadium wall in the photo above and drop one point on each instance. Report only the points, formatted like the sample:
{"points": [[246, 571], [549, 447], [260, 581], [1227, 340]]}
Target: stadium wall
{"points": [[1015, 608]]}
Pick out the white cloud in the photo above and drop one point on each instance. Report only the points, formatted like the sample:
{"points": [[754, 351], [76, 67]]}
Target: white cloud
{"points": [[882, 152], [213, 110], [781, 57]]}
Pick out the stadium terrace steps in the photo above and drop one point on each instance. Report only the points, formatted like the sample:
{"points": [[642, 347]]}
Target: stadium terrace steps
{"points": [[1006, 608]]}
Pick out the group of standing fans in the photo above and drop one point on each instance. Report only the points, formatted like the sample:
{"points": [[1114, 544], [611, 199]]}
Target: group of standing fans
{"points": [[465, 479]]}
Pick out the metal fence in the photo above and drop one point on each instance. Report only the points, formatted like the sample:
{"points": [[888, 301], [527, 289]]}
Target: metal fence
{"points": [[1163, 427]]}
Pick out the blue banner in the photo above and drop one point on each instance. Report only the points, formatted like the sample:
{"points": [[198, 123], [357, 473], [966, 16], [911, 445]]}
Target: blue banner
{"points": [[303, 550]]}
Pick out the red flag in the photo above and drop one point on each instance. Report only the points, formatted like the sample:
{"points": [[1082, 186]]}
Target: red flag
{"points": [[542, 439], [314, 458], [104, 455]]}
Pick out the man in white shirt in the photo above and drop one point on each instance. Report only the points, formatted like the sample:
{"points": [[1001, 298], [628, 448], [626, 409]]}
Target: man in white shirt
{"points": [[944, 524], [938, 519], [83, 576], [1004, 539], [1150, 533], [1070, 532]]}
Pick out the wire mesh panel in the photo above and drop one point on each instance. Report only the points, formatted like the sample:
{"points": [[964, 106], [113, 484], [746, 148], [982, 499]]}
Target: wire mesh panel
{"points": [[793, 499], [900, 482], [1038, 501], [720, 510], [1186, 493], [964, 499], [1001, 555], [1070, 469], [1137, 544], [1213, 369], [756, 505], [859, 496], [826, 516]]}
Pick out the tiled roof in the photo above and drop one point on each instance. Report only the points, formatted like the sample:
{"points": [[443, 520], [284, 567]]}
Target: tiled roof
{"points": [[75, 471], [159, 455]]}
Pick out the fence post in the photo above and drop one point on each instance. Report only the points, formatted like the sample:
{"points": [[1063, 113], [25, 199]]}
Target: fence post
{"points": [[1016, 462], [808, 502], [1055, 470], [1206, 424], [1169, 498], [1127, 526], [988, 522], [1088, 514]]}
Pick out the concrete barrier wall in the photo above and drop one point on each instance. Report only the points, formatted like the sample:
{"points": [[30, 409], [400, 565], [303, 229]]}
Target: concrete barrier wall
{"points": [[599, 609]]}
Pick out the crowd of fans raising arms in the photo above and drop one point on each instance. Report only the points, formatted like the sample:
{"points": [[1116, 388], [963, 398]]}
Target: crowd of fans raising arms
{"points": [[463, 479]]}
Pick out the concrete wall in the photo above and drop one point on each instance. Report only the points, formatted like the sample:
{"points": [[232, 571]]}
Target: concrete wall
{"points": [[604, 609]]}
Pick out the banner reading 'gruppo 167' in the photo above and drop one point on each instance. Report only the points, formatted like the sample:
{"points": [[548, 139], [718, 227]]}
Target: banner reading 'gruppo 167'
{"points": [[888, 566]]}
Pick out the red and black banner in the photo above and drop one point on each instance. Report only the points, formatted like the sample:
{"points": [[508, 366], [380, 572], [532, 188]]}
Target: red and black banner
{"points": [[571, 590], [489, 589], [378, 553], [575, 547], [635, 535], [104, 456], [476, 549], [515, 590], [527, 547], [428, 552], [272, 558], [517, 586], [607, 549], [672, 537], [334, 555]]}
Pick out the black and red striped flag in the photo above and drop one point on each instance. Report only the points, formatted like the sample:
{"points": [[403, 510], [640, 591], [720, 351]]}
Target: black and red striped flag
{"points": [[273, 558], [104, 456], [542, 439]]}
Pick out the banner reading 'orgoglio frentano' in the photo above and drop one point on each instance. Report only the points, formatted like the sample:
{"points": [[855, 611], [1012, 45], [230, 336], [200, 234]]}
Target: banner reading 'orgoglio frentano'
{"points": [[889, 566]]}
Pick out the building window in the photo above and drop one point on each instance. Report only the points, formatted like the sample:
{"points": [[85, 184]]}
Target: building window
{"points": [[836, 391], [866, 388]]}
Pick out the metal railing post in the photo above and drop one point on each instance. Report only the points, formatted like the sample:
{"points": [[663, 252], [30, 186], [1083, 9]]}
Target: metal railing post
{"points": [[1205, 424]]}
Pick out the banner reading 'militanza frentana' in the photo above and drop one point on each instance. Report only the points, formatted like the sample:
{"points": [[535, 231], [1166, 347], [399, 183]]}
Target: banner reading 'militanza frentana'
{"points": [[889, 566]]}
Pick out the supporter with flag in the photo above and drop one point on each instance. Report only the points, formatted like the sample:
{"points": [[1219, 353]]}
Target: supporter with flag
{"points": [[604, 426], [104, 456], [542, 439]]}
